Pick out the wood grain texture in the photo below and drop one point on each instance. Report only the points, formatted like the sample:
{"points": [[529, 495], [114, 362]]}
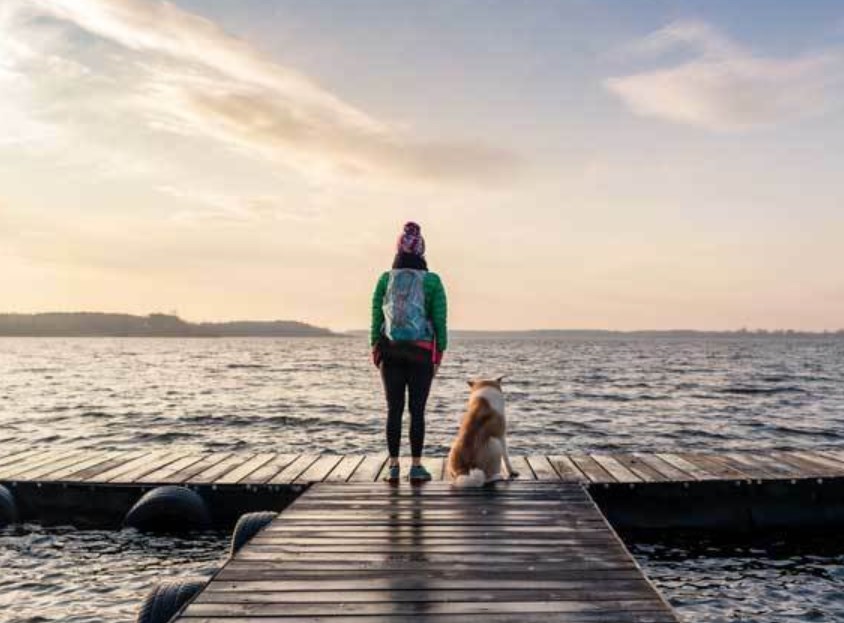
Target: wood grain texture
{"points": [[274, 468], [512, 552]]}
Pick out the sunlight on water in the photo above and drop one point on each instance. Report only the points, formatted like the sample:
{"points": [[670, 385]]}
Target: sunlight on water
{"points": [[293, 395], [324, 395]]}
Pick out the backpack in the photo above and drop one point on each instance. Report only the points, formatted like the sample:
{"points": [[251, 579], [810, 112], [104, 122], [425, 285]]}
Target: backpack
{"points": [[405, 317]]}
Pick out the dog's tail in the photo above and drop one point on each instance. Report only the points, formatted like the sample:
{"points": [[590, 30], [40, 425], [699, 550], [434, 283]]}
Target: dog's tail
{"points": [[475, 478]]}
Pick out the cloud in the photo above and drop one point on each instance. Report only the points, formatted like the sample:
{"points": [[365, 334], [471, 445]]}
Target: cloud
{"points": [[724, 87], [181, 74], [207, 207]]}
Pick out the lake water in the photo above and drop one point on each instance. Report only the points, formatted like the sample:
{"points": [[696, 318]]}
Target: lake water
{"points": [[324, 395]]}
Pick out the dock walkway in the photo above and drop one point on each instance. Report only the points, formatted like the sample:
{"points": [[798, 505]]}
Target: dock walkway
{"points": [[521, 552], [270, 468]]}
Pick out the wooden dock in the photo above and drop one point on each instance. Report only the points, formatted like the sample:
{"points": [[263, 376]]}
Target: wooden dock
{"points": [[220, 469], [347, 548], [520, 552]]}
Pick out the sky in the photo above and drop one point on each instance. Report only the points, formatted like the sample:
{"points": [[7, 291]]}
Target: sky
{"points": [[573, 164]]}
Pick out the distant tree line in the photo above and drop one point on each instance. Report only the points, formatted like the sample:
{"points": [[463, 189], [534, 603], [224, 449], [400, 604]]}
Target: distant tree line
{"points": [[678, 333], [96, 324]]}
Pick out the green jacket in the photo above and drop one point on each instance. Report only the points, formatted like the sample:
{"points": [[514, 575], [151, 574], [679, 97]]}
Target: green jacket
{"points": [[435, 304]]}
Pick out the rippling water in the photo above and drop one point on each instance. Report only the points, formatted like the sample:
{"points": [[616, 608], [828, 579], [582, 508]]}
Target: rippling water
{"points": [[770, 582], [93, 576], [323, 395]]}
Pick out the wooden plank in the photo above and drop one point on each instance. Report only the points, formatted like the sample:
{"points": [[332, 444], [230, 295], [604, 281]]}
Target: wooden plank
{"points": [[338, 550], [19, 456], [345, 468], [218, 470], [68, 471], [256, 572], [367, 552], [161, 475], [319, 469], [593, 471], [758, 466], [488, 617], [369, 468], [269, 470], [644, 471], [698, 473], [567, 469], [401, 503], [710, 463], [435, 465], [278, 547], [119, 458], [429, 608], [126, 466], [408, 542], [808, 468], [805, 469], [11, 471], [141, 469], [418, 513], [61, 460], [294, 470], [283, 539], [522, 468], [524, 488], [752, 467], [831, 466], [290, 588], [185, 474], [512, 512], [777, 468], [666, 469], [598, 556], [627, 590], [245, 469], [615, 469], [480, 494], [835, 455], [542, 468], [381, 475]]}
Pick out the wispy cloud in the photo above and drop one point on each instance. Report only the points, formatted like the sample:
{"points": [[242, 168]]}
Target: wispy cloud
{"points": [[724, 86], [149, 65], [230, 209]]}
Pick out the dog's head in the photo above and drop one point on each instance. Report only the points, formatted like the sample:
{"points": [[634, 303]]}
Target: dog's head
{"points": [[475, 385]]}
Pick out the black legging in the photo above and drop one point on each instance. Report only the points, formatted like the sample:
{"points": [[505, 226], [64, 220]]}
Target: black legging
{"points": [[415, 379]]}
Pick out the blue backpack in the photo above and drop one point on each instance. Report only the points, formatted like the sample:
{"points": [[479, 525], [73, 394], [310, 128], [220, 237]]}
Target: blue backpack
{"points": [[405, 318]]}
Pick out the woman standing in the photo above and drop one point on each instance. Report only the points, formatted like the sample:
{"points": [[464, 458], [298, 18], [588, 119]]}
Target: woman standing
{"points": [[408, 339]]}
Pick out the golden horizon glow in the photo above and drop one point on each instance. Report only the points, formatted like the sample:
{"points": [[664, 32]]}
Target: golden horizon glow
{"points": [[256, 162]]}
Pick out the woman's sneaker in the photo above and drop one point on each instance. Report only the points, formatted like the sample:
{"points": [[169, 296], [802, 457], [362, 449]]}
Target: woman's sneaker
{"points": [[419, 474], [393, 474]]}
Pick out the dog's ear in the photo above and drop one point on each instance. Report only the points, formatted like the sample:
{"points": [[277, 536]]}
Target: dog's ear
{"points": [[500, 378], [471, 383]]}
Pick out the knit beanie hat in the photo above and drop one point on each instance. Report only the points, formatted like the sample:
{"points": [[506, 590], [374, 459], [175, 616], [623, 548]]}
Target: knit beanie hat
{"points": [[411, 240]]}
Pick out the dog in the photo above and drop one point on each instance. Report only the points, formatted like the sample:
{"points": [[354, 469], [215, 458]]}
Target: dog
{"points": [[481, 444]]}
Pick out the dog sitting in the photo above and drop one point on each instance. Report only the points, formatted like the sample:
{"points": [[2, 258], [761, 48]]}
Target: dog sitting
{"points": [[481, 444]]}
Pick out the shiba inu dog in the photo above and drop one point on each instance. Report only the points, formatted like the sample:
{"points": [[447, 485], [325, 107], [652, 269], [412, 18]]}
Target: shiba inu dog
{"points": [[481, 444]]}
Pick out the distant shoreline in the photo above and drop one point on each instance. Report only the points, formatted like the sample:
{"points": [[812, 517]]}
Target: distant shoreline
{"points": [[99, 324], [96, 324], [598, 333]]}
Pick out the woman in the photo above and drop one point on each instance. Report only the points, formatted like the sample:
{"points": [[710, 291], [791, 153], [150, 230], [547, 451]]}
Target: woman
{"points": [[408, 339]]}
